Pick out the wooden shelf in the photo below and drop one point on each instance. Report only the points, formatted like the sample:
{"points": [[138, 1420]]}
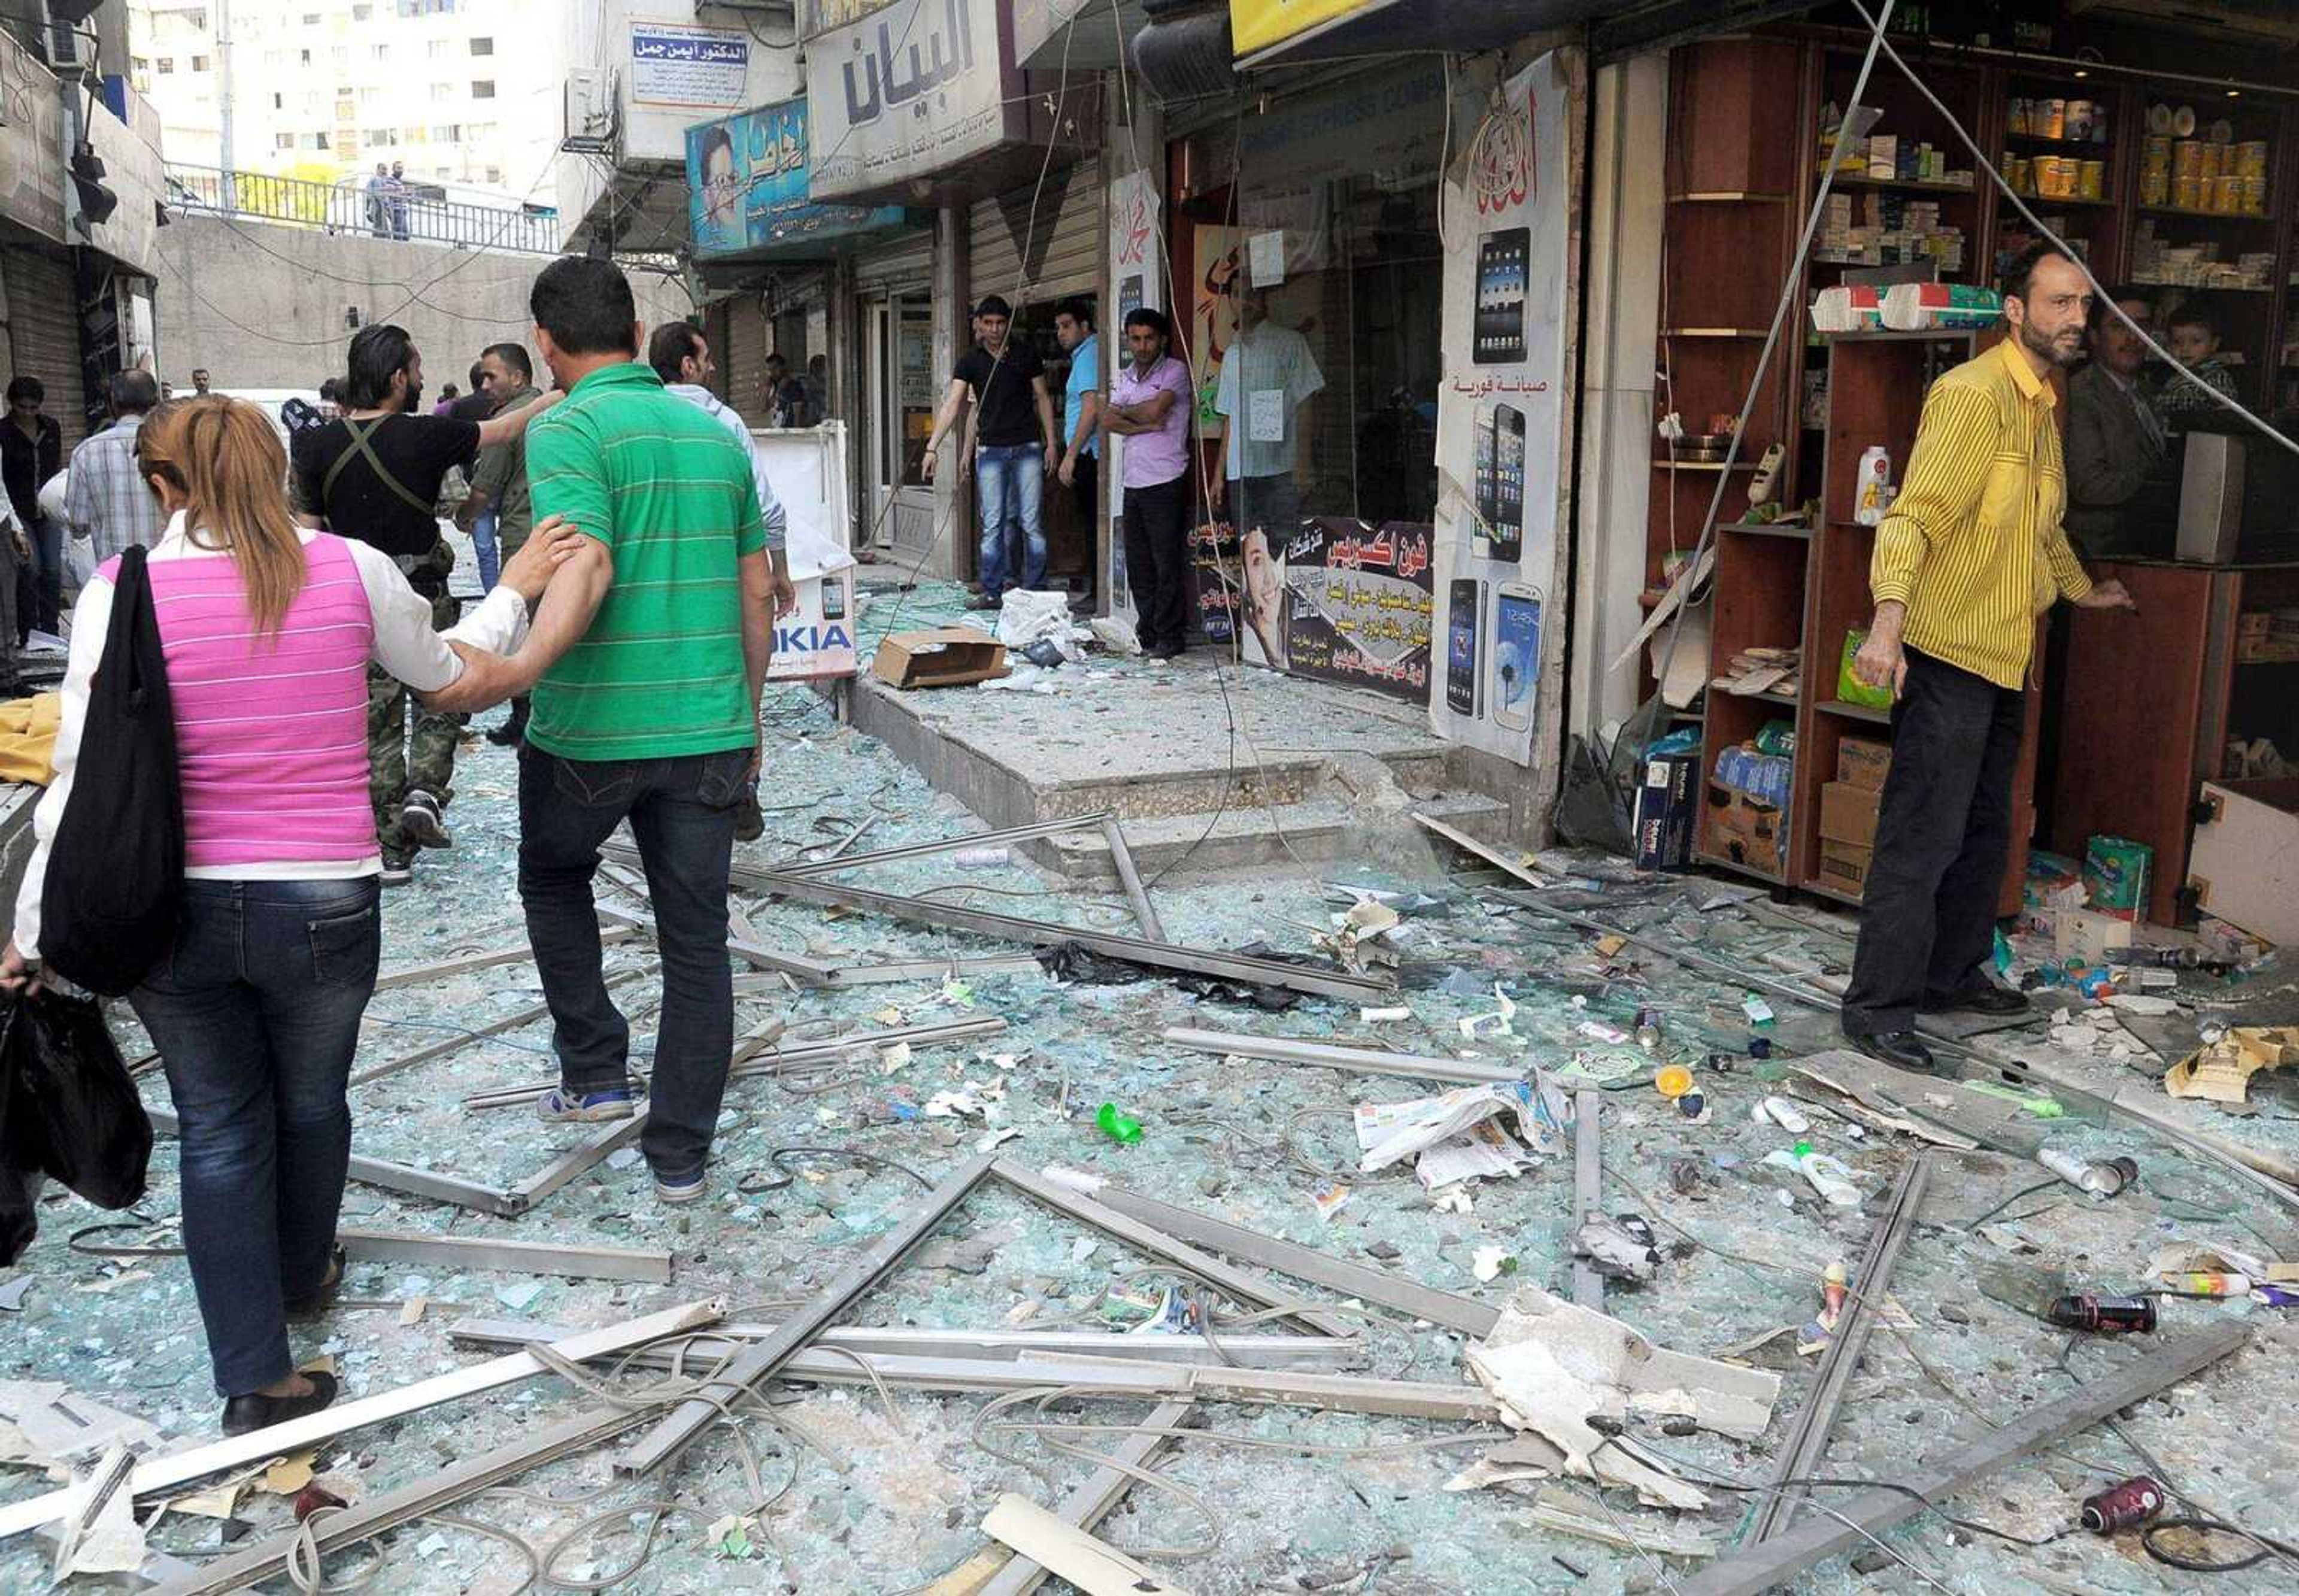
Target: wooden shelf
{"points": [[2255, 218], [1854, 711], [1904, 185], [2141, 282], [2045, 202], [1765, 529], [1738, 868], [2045, 141], [1703, 465], [1712, 332], [1727, 197], [1823, 890]]}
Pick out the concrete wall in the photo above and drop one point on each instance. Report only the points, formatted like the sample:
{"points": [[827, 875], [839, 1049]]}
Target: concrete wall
{"points": [[262, 306]]}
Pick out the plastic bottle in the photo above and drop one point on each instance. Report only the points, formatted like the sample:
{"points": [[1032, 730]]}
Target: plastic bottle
{"points": [[1872, 491], [1648, 1030], [2102, 1179], [1781, 1112], [1117, 1125], [1829, 1177]]}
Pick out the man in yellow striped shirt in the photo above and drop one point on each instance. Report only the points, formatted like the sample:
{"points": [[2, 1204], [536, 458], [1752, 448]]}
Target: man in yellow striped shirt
{"points": [[1971, 553]]}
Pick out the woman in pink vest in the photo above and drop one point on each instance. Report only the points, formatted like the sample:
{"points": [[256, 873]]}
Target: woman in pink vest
{"points": [[255, 1010]]}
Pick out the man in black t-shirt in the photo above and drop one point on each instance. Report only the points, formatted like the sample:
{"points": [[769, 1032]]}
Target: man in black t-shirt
{"points": [[374, 475], [1017, 447]]}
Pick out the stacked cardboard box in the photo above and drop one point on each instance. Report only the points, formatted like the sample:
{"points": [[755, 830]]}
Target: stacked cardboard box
{"points": [[1848, 810]]}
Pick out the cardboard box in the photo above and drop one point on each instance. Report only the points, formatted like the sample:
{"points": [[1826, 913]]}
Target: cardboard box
{"points": [[2086, 937], [1843, 866], [2115, 875], [1848, 814], [1863, 762], [1746, 832], [1665, 812], [943, 657], [816, 641]]}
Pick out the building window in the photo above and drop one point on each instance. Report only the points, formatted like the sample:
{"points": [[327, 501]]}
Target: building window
{"points": [[495, 174], [441, 93], [166, 66], [483, 88], [447, 133], [310, 19], [137, 63], [279, 102], [378, 52], [197, 19], [283, 141], [199, 63], [376, 136], [483, 46], [306, 55]]}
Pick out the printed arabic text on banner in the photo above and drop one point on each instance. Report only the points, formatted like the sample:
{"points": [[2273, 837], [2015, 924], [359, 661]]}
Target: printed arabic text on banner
{"points": [[746, 180], [1501, 416], [675, 63], [912, 89]]}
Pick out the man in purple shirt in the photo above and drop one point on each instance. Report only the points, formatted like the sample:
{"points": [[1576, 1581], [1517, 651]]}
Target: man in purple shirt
{"points": [[1149, 408]]}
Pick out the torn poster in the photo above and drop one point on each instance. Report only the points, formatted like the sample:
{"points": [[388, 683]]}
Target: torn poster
{"points": [[1459, 1136]]}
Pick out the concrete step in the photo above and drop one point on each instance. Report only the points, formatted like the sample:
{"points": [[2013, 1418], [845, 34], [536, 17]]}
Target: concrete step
{"points": [[1315, 830]]}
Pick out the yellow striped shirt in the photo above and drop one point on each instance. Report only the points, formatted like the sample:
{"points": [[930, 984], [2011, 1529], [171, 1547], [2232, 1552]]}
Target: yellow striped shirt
{"points": [[1973, 545]]}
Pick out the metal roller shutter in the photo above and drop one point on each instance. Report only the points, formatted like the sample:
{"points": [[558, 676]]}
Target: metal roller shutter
{"points": [[43, 335], [906, 259], [745, 360], [1036, 258]]}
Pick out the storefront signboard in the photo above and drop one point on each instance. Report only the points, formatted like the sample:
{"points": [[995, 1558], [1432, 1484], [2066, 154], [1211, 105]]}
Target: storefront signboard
{"points": [[909, 91], [31, 143], [746, 182], [1257, 24], [1502, 416], [678, 63], [1342, 602]]}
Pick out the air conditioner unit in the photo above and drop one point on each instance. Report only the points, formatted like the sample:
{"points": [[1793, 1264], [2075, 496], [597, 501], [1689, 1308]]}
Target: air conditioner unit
{"points": [[65, 53], [590, 112]]}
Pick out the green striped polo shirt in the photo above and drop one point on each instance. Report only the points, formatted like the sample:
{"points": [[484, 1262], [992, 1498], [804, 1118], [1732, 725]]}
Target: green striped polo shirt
{"points": [[667, 490]]}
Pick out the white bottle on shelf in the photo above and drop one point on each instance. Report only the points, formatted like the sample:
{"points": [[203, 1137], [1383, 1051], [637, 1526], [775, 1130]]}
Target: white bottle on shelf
{"points": [[1873, 494]]}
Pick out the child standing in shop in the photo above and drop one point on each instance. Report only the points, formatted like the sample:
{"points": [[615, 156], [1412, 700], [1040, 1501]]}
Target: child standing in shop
{"points": [[2194, 342]]}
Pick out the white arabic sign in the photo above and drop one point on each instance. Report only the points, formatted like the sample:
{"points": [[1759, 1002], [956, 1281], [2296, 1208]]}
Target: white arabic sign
{"points": [[910, 91], [678, 63]]}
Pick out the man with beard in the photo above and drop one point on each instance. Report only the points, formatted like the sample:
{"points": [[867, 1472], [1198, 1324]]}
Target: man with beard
{"points": [[1971, 553], [373, 475]]}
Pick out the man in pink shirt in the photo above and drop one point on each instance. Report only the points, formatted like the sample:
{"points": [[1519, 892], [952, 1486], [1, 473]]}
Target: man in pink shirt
{"points": [[1149, 408]]}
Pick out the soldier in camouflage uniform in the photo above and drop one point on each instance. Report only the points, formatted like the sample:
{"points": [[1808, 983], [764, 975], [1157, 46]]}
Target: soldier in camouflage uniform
{"points": [[395, 767]]}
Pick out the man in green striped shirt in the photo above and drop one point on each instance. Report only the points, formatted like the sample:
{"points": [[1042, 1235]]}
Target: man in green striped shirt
{"points": [[654, 642]]}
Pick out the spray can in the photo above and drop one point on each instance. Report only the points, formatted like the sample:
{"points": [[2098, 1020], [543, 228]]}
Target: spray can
{"points": [[2120, 1507], [2102, 1179], [2107, 1315]]}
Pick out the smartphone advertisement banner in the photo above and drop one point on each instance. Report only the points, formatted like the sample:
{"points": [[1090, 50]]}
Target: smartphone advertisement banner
{"points": [[806, 468], [1502, 416], [1342, 602]]}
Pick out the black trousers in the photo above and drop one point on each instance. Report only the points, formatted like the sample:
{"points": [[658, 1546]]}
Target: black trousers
{"points": [[1928, 918], [1156, 560], [1085, 498]]}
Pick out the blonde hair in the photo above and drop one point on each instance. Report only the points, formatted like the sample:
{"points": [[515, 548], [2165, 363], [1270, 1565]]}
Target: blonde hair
{"points": [[223, 455]]}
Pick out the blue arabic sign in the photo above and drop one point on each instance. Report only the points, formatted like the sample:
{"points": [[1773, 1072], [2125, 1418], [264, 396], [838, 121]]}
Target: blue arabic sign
{"points": [[746, 180]]}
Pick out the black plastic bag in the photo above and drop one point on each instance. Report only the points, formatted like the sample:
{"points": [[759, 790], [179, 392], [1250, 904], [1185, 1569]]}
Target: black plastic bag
{"points": [[1083, 966], [73, 1111], [17, 1223]]}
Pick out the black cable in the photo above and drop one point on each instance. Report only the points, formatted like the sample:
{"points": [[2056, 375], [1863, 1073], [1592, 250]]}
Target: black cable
{"points": [[777, 1158], [2203, 1526], [2039, 1186]]}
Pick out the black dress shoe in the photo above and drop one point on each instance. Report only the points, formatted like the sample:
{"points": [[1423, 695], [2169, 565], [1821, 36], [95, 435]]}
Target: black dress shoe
{"points": [[312, 1306], [1903, 1050], [513, 728], [256, 1411], [1978, 995]]}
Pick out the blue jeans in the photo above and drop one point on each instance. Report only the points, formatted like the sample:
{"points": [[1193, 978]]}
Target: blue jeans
{"points": [[1013, 480], [47, 541], [255, 1011], [483, 541], [682, 812]]}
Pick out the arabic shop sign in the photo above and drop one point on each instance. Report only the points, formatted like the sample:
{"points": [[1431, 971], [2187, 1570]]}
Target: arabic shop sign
{"points": [[747, 190], [912, 89], [675, 63], [1257, 24]]}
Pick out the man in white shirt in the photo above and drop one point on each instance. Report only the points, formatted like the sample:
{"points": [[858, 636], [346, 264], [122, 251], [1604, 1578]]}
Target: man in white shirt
{"points": [[681, 356], [107, 502], [1267, 374]]}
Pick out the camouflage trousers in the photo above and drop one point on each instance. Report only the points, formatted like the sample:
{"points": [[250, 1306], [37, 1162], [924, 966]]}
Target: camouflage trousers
{"points": [[395, 763]]}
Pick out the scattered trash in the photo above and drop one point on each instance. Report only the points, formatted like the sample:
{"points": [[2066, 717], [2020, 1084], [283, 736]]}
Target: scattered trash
{"points": [[1759, 1013], [1673, 1081], [2104, 1314], [2120, 1507], [1118, 1126], [1330, 1198], [2220, 1070], [1375, 1017], [2103, 1179], [1829, 1177], [1457, 1136], [1781, 1112], [1617, 1250], [1492, 1262], [980, 858]]}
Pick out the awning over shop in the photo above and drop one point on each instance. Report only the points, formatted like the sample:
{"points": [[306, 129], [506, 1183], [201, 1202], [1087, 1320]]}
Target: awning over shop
{"points": [[1084, 35]]}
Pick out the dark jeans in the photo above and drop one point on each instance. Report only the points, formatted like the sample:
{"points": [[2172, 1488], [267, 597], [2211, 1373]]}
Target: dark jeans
{"points": [[1927, 920], [1158, 559], [46, 538], [256, 1015], [1085, 499], [681, 811]]}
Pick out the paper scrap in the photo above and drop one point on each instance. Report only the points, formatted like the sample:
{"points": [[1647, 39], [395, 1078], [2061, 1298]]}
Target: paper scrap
{"points": [[1265, 255], [1265, 415], [290, 1473], [1391, 1132], [1492, 1262]]}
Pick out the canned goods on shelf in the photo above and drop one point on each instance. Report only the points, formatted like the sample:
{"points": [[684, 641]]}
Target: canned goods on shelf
{"points": [[2091, 179]]}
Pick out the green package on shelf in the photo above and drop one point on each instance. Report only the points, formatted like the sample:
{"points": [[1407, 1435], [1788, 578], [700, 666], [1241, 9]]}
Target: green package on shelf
{"points": [[1850, 688]]}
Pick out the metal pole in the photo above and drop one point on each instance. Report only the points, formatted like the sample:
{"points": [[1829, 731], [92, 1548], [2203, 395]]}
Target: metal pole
{"points": [[226, 156]]}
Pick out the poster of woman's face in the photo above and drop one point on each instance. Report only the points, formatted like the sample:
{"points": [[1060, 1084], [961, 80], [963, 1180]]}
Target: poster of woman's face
{"points": [[1264, 600]]}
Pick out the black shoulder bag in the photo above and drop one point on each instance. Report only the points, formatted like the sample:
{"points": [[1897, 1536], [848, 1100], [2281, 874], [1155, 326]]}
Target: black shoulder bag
{"points": [[115, 883]]}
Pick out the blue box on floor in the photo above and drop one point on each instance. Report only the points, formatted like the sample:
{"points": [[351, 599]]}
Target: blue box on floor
{"points": [[1666, 812]]}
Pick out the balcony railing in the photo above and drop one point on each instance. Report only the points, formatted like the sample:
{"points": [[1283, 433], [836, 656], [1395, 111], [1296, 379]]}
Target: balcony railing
{"points": [[411, 211]]}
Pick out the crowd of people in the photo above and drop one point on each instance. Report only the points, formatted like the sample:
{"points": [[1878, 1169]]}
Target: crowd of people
{"points": [[632, 584]]}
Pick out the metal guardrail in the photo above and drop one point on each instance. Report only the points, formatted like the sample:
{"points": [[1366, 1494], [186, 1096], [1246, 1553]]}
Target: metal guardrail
{"points": [[408, 212]]}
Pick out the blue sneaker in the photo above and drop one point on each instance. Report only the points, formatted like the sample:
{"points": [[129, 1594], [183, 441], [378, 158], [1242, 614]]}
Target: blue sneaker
{"points": [[680, 1191], [563, 1107]]}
